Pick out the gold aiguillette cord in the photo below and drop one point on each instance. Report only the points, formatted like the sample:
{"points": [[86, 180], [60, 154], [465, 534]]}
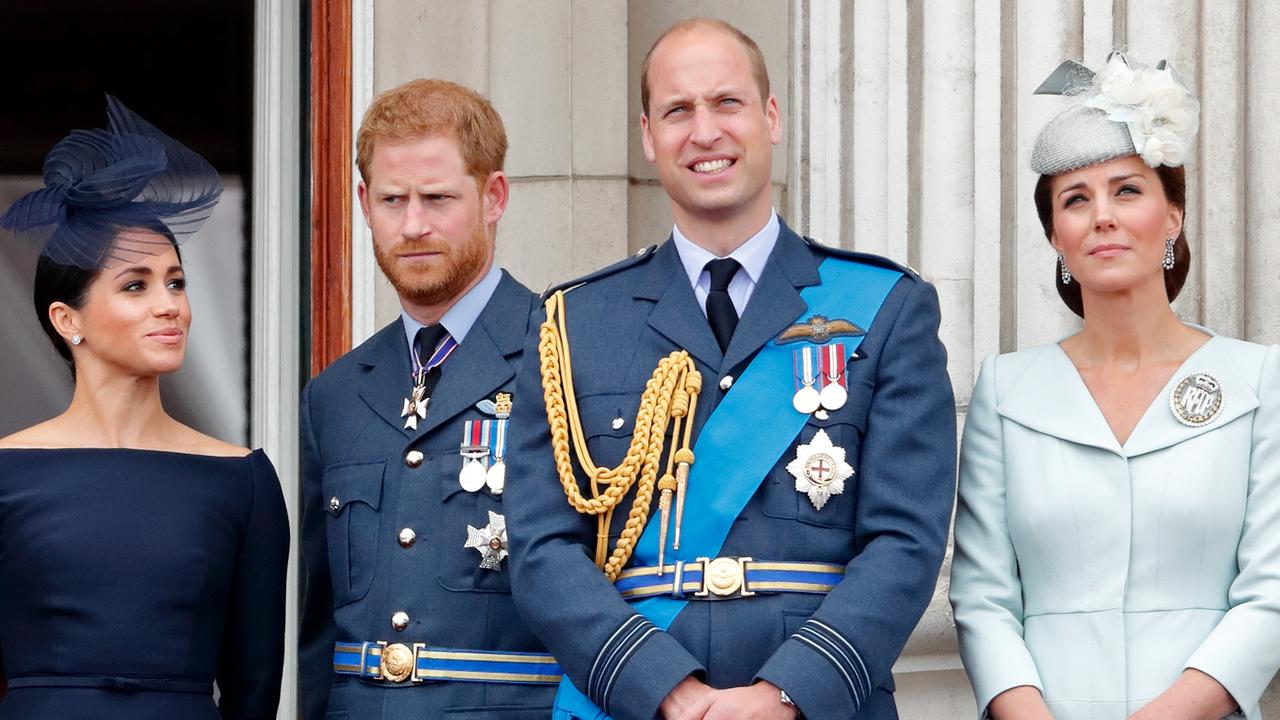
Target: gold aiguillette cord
{"points": [[670, 397]]}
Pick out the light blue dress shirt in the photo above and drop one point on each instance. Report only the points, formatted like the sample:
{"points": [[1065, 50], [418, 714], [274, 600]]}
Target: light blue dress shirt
{"points": [[458, 319], [752, 255]]}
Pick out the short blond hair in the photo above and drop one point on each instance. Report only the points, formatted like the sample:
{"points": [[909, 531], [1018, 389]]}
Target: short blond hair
{"points": [[759, 72], [426, 108]]}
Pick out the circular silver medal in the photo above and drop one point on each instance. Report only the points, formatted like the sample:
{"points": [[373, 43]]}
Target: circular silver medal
{"points": [[834, 396], [1196, 400], [806, 400], [496, 479], [472, 477]]}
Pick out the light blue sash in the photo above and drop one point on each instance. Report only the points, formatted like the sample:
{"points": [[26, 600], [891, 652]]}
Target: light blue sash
{"points": [[727, 471]]}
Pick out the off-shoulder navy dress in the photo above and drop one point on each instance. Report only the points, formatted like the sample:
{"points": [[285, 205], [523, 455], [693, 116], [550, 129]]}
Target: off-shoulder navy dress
{"points": [[131, 580]]}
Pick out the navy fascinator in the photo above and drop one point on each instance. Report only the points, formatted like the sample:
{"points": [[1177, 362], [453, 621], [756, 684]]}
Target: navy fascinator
{"points": [[99, 182]]}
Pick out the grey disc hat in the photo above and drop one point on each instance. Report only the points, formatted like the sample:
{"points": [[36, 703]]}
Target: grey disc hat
{"points": [[1124, 109], [1078, 137]]}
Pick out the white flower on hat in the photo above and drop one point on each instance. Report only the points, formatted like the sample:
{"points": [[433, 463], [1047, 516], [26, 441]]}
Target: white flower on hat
{"points": [[1161, 114]]}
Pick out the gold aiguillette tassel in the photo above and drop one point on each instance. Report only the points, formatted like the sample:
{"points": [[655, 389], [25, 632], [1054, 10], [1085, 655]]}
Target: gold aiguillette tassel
{"points": [[666, 485], [684, 458]]}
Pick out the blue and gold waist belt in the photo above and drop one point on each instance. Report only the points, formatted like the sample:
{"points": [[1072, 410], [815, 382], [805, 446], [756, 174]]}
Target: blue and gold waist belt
{"points": [[419, 662], [724, 578]]}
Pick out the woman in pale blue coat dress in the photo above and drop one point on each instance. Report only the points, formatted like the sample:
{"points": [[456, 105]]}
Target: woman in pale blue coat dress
{"points": [[1118, 527]]}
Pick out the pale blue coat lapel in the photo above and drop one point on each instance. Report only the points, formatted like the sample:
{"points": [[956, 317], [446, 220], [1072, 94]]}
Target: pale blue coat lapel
{"points": [[1159, 429], [1050, 397]]}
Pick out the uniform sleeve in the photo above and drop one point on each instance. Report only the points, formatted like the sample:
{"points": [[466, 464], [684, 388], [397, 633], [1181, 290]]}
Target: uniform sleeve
{"points": [[253, 644], [317, 631], [616, 657], [830, 665], [986, 590], [1243, 651]]}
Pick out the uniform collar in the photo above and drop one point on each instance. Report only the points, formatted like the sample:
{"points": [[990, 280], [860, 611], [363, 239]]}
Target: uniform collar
{"points": [[478, 367], [1049, 396], [751, 255], [459, 318]]}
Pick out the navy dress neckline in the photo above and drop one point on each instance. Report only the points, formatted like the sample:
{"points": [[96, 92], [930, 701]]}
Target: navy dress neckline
{"points": [[135, 579], [179, 453]]}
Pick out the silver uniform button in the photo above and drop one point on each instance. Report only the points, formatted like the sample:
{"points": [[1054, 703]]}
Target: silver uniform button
{"points": [[335, 503], [413, 458], [726, 382], [618, 423], [407, 537], [400, 620]]}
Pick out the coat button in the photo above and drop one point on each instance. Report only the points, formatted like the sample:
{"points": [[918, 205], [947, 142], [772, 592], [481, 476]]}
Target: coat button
{"points": [[335, 504], [413, 458], [618, 423], [407, 537], [400, 620], [726, 382]]}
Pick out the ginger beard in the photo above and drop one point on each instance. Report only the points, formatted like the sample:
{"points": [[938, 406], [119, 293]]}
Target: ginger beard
{"points": [[434, 283]]}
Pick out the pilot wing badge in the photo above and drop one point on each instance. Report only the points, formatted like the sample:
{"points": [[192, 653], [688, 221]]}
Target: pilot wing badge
{"points": [[818, 330]]}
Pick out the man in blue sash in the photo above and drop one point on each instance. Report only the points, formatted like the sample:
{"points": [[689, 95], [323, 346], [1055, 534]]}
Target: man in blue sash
{"points": [[407, 609], [752, 435]]}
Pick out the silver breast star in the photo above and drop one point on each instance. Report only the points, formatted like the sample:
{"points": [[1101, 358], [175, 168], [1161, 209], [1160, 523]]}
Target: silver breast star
{"points": [[490, 541], [820, 469]]}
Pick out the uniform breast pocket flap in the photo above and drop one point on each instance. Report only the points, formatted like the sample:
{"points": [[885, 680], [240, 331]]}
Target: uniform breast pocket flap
{"points": [[471, 546], [608, 422], [353, 493], [816, 478]]}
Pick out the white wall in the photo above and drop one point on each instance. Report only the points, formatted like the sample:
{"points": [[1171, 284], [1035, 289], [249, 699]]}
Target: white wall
{"points": [[909, 125]]}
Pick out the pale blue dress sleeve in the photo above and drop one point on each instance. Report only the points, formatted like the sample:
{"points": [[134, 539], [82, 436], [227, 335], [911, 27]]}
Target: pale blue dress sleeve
{"points": [[986, 590]]}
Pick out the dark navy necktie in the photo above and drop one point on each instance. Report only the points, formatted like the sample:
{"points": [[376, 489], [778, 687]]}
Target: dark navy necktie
{"points": [[720, 312], [424, 344]]}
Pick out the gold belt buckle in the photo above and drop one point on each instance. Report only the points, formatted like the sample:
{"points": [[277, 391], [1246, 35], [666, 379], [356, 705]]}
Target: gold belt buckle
{"points": [[724, 577], [398, 662]]}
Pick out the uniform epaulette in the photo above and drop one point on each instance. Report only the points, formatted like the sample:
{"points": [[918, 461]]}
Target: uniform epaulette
{"points": [[862, 257], [631, 261]]}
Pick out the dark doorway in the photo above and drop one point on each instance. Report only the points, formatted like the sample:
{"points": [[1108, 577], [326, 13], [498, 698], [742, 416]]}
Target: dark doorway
{"points": [[187, 67]]}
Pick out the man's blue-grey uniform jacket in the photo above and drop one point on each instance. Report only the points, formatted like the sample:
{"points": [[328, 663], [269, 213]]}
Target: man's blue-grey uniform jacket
{"points": [[888, 528], [357, 570]]}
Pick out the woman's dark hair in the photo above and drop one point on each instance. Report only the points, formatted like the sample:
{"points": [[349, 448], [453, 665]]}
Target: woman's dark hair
{"points": [[1174, 182], [56, 282]]}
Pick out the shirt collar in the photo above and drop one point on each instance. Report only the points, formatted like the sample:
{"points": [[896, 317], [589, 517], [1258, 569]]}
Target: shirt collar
{"points": [[751, 255], [457, 320]]}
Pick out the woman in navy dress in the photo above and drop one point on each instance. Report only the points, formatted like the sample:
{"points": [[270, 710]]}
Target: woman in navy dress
{"points": [[141, 561]]}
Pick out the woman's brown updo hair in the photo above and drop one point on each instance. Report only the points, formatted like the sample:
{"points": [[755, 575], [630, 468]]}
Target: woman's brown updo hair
{"points": [[1174, 182]]}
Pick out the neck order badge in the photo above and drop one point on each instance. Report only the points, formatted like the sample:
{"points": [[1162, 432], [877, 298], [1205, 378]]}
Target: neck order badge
{"points": [[415, 406], [727, 474]]}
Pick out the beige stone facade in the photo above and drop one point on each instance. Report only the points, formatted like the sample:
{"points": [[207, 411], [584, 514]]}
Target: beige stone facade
{"points": [[908, 125]]}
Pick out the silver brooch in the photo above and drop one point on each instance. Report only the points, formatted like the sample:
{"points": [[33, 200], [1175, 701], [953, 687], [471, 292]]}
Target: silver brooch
{"points": [[1196, 400]]}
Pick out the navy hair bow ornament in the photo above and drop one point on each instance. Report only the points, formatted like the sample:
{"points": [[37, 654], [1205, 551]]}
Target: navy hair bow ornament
{"points": [[100, 182]]}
